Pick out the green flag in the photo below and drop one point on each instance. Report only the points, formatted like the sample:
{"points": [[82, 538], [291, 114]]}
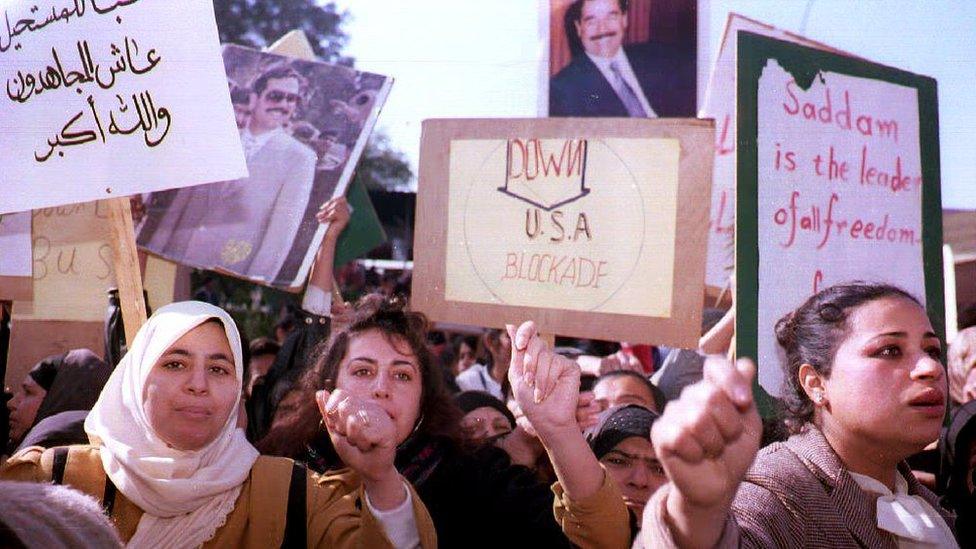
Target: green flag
{"points": [[364, 231]]}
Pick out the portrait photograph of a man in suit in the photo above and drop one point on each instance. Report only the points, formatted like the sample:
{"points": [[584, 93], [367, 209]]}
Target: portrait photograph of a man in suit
{"points": [[261, 227], [623, 58]]}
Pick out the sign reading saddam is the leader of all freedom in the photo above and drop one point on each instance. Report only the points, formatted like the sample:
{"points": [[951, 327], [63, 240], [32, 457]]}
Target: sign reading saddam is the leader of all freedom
{"points": [[101, 98], [837, 179], [591, 228]]}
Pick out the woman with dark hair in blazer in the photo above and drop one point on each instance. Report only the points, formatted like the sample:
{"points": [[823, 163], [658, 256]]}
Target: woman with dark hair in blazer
{"points": [[865, 389]]}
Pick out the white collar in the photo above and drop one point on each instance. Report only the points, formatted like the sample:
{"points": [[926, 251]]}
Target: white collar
{"points": [[904, 515]]}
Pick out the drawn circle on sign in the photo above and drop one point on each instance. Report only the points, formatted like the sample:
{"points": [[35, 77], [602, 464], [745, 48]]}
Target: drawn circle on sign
{"points": [[630, 203]]}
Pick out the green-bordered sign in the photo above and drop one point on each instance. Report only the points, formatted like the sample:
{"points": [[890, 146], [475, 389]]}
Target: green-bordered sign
{"points": [[837, 180]]}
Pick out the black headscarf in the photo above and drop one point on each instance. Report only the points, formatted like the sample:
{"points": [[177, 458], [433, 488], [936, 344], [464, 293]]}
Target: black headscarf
{"points": [[77, 381], [472, 400], [62, 429], [617, 424], [44, 372]]}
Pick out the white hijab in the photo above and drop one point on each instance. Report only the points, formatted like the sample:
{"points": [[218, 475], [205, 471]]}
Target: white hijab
{"points": [[185, 495]]}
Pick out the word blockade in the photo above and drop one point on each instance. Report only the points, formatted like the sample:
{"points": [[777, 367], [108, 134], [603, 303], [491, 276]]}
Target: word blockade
{"points": [[589, 229], [102, 99]]}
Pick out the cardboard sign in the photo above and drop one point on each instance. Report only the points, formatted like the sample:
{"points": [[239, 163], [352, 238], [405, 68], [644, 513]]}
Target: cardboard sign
{"points": [[838, 170], [33, 340], [587, 228], [719, 104], [15, 256], [73, 264], [103, 99]]}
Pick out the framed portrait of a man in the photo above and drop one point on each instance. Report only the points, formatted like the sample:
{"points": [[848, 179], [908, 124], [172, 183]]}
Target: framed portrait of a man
{"points": [[302, 126], [622, 58]]}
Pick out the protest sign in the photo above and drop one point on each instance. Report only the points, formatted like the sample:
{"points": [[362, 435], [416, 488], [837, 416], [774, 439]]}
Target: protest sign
{"points": [[15, 256], [591, 228], [303, 125], [73, 264], [33, 340], [103, 100], [838, 178], [719, 104]]}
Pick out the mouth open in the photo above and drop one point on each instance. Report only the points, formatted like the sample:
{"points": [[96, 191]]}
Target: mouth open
{"points": [[930, 402]]}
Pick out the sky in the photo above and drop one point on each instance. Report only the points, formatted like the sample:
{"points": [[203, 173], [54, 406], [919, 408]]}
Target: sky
{"points": [[461, 58]]}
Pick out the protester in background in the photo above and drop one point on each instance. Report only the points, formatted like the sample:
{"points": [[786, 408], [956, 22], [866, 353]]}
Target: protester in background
{"points": [[864, 390], [957, 448], [491, 377], [485, 417], [588, 504], [466, 349], [263, 353], [41, 516], [311, 327], [283, 327], [622, 443], [683, 367], [962, 375], [622, 387], [476, 499], [172, 469], [59, 383]]}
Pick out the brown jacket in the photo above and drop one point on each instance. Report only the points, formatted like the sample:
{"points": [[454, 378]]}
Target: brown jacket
{"points": [[336, 513], [796, 494]]}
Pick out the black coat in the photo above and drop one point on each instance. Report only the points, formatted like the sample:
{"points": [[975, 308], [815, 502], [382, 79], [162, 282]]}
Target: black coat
{"points": [[476, 499], [666, 75]]}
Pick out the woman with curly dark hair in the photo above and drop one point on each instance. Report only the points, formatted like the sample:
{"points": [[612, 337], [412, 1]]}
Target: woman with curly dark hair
{"points": [[865, 389], [381, 357]]}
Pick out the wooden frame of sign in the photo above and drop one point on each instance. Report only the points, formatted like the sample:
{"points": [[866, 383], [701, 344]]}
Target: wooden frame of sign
{"points": [[626, 214], [857, 228], [16, 288]]}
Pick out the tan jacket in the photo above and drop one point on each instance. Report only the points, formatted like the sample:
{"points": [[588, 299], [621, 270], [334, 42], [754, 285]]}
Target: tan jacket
{"points": [[796, 494], [600, 521], [336, 512]]}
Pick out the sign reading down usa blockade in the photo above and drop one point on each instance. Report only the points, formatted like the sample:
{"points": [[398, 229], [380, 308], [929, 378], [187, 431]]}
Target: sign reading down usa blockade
{"points": [[586, 229]]}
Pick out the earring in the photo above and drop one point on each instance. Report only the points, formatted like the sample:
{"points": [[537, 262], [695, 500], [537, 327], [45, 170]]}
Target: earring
{"points": [[818, 396]]}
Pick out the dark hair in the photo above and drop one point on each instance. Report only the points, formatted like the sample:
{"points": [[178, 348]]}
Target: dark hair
{"points": [[811, 334], [238, 96], [278, 73], [656, 394], [438, 415], [286, 323], [574, 14], [261, 346]]}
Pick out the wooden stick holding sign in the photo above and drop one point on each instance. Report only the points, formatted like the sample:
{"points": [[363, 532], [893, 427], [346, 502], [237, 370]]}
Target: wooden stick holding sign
{"points": [[125, 260]]}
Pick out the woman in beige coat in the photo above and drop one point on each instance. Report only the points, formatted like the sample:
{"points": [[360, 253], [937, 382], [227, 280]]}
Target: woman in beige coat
{"points": [[172, 469]]}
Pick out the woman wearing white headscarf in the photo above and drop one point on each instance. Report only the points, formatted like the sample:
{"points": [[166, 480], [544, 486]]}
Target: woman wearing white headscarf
{"points": [[173, 469]]}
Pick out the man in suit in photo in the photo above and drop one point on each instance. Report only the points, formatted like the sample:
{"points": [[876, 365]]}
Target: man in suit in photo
{"points": [[248, 225], [609, 79]]}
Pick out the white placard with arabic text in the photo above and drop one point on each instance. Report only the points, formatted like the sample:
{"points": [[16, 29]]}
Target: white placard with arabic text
{"points": [[107, 98]]}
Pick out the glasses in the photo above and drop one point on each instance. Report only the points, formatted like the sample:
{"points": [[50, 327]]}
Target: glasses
{"points": [[276, 96]]}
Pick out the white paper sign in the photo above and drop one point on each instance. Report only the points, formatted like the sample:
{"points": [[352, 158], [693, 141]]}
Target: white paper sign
{"points": [[107, 98], [15, 244], [840, 193], [720, 104]]}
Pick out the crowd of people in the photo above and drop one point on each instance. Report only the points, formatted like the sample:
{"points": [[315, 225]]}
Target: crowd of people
{"points": [[364, 426]]}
